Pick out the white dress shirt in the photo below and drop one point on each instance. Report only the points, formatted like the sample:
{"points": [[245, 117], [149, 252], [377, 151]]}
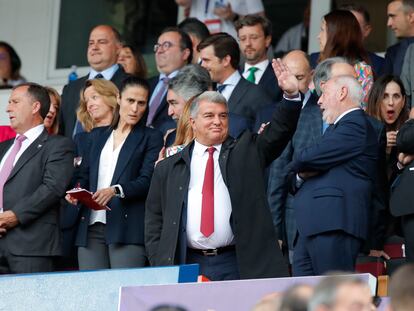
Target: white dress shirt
{"points": [[230, 83], [108, 73], [222, 235], [261, 67], [107, 164], [31, 136]]}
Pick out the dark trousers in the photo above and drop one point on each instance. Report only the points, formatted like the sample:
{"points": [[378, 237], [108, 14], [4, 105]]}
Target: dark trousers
{"points": [[99, 255], [328, 251], [217, 268], [10, 263], [407, 223]]}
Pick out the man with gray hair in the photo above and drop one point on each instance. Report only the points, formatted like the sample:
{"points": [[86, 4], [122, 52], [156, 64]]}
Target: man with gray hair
{"points": [[190, 82], [334, 179], [207, 204], [341, 292]]}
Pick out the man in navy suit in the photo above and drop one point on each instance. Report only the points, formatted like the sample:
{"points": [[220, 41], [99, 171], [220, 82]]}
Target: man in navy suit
{"points": [[104, 46], [255, 37], [173, 51], [220, 55], [334, 178]]}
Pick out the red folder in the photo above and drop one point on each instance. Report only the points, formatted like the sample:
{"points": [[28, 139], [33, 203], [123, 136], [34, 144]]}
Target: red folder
{"points": [[85, 197]]}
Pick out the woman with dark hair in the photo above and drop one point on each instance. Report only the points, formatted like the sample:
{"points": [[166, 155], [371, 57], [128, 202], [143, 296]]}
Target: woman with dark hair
{"points": [[51, 121], [10, 65], [341, 35], [387, 103], [132, 61], [118, 169]]}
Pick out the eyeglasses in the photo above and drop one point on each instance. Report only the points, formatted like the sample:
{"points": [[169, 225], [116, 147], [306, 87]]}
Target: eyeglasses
{"points": [[165, 46]]}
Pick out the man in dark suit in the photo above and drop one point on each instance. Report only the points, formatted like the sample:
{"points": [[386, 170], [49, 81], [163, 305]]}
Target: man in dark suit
{"points": [[401, 203], [401, 21], [173, 51], [35, 170], [334, 179], [255, 38], [103, 49], [201, 207], [220, 55]]}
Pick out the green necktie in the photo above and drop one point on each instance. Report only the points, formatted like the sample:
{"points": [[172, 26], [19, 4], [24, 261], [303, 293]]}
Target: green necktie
{"points": [[251, 76]]}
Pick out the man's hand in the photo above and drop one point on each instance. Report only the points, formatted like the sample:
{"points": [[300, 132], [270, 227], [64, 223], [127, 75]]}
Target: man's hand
{"points": [[103, 196], [8, 220], [307, 175], [262, 127], [405, 159], [286, 80], [71, 200], [377, 253]]}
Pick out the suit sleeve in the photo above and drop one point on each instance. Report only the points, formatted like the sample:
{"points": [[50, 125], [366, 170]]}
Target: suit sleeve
{"points": [[339, 146], [154, 215], [57, 174], [139, 187], [62, 109], [279, 132]]}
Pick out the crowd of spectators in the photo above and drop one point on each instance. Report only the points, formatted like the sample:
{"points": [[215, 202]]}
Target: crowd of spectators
{"points": [[242, 167]]}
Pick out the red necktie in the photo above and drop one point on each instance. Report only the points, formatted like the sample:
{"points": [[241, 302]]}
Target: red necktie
{"points": [[207, 205]]}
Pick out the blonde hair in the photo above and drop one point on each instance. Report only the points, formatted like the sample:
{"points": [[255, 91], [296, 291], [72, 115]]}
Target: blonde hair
{"points": [[107, 90], [185, 134]]}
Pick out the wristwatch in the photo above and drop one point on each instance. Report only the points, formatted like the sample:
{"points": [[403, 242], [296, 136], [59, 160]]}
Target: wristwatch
{"points": [[117, 189]]}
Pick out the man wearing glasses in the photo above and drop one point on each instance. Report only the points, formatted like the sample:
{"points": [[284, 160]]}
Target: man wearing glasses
{"points": [[173, 51]]}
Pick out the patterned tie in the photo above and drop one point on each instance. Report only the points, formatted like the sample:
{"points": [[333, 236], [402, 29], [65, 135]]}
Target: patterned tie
{"points": [[251, 76], [99, 76], [221, 88], [156, 102], [8, 166], [207, 204]]}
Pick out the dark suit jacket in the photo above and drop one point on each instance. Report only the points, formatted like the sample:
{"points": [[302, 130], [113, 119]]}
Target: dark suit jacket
{"points": [[394, 56], [340, 196], [268, 82], [308, 133], [401, 203], [241, 163], [133, 171], [377, 62], [247, 99], [161, 121], [33, 191], [70, 101]]}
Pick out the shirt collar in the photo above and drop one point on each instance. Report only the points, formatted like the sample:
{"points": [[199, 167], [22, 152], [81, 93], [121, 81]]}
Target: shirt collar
{"points": [[200, 149], [170, 76], [260, 66], [345, 113], [33, 133], [233, 79], [108, 73]]}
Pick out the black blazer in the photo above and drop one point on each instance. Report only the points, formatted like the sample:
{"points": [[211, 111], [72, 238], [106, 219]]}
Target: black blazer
{"points": [[33, 192], [70, 101], [133, 171], [241, 162]]}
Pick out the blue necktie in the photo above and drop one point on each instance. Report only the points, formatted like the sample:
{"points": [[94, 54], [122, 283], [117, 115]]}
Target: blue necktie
{"points": [[221, 88]]}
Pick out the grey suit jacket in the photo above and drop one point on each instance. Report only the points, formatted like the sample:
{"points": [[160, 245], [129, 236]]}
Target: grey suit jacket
{"points": [[33, 191]]}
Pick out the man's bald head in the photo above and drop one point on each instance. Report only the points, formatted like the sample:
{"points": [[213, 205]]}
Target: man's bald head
{"points": [[298, 63]]}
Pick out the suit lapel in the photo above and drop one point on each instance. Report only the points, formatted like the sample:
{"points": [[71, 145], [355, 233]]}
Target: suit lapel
{"points": [[224, 156], [132, 142], [238, 93], [33, 149]]}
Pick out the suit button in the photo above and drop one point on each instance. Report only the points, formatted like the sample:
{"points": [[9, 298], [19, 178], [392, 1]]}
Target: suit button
{"points": [[126, 215], [174, 223], [82, 218], [169, 258], [181, 188]]}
